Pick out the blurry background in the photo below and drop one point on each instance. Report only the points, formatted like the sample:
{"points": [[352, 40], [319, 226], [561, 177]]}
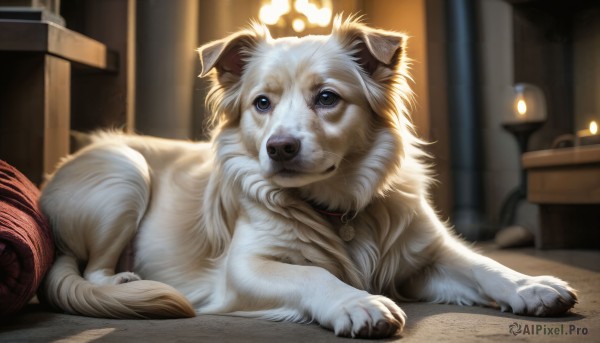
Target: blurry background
{"points": [[467, 56]]}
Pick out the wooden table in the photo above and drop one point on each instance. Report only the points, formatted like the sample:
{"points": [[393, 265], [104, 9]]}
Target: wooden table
{"points": [[36, 59], [566, 185]]}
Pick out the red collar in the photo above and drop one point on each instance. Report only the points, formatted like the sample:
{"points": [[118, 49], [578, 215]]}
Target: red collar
{"points": [[329, 213], [343, 217]]}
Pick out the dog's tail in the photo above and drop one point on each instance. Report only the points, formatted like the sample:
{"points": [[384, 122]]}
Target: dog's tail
{"points": [[66, 289]]}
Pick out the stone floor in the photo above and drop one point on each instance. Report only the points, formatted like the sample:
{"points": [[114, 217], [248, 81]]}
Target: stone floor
{"points": [[426, 322]]}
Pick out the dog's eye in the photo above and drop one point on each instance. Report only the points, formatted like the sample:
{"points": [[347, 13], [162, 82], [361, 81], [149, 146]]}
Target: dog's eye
{"points": [[262, 103], [327, 99]]}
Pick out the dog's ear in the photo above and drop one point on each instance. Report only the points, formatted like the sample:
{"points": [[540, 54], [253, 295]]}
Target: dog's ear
{"points": [[371, 47], [380, 48], [227, 56]]}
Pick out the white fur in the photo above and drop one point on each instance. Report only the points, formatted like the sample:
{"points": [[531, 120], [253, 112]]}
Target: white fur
{"points": [[232, 233]]}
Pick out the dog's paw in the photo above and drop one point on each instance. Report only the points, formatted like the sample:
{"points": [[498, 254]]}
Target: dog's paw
{"points": [[542, 296], [104, 277], [370, 316], [125, 277]]}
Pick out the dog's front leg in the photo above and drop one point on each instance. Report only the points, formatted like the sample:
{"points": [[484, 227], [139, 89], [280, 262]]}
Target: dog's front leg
{"points": [[522, 294], [460, 275], [281, 290]]}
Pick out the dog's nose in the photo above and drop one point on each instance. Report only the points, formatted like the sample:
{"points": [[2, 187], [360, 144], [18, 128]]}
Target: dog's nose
{"points": [[282, 148]]}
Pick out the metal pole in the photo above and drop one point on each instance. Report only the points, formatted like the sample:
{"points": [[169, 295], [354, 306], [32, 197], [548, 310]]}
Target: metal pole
{"points": [[166, 41], [464, 108]]}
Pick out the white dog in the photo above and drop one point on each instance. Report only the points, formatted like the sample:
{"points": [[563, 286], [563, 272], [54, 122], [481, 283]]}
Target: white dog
{"points": [[310, 203]]}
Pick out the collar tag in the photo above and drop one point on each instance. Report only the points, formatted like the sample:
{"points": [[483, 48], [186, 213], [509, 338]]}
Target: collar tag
{"points": [[346, 231]]}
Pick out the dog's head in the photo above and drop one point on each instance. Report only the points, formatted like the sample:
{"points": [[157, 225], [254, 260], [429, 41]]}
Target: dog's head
{"points": [[308, 109]]}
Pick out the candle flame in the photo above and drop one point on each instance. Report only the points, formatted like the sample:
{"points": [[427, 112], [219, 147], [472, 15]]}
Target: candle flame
{"points": [[521, 107], [593, 127], [298, 25]]}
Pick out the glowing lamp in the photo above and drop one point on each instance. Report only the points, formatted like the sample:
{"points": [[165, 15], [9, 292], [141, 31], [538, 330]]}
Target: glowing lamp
{"points": [[528, 114], [529, 104], [302, 14]]}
